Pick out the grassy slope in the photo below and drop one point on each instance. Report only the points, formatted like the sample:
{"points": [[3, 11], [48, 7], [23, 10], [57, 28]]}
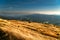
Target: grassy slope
{"points": [[23, 30]]}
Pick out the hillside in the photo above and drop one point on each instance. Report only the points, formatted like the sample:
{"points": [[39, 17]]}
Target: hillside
{"points": [[42, 18], [24, 30]]}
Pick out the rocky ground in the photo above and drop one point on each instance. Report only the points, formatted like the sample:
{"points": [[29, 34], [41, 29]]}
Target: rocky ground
{"points": [[23, 30]]}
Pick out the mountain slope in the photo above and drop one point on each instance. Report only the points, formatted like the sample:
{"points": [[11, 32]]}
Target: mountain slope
{"points": [[51, 19], [23, 30]]}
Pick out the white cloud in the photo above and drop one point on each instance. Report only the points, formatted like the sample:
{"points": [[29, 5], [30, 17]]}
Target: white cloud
{"points": [[47, 12]]}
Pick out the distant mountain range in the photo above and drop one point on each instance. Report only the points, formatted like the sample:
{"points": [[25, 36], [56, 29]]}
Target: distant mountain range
{"points": [[51, 19]]}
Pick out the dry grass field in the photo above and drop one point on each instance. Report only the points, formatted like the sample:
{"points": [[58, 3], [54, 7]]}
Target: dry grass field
{"points": [[24, 30]]}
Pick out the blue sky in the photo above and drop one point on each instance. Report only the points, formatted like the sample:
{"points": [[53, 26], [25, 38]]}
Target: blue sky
{"points": [[29, 5]]}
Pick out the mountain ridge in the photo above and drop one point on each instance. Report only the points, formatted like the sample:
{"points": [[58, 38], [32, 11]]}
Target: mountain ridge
{"points": [[51, 19]]}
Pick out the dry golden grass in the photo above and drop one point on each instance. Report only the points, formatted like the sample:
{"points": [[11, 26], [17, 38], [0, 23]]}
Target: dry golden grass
{"points": [[23, 30]]}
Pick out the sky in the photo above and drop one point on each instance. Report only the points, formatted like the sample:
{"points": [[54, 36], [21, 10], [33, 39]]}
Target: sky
{"points": [[38, 6]]}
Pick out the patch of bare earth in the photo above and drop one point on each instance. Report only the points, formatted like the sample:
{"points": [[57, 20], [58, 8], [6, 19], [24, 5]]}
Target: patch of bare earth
{"points": [[23, 30]]}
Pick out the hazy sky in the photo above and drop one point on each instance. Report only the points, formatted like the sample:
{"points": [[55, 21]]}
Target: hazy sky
{"points": [[43, 6]]}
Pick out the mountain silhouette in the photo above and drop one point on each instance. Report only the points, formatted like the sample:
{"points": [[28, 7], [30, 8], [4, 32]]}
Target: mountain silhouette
{"points": [[51, 19]]}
